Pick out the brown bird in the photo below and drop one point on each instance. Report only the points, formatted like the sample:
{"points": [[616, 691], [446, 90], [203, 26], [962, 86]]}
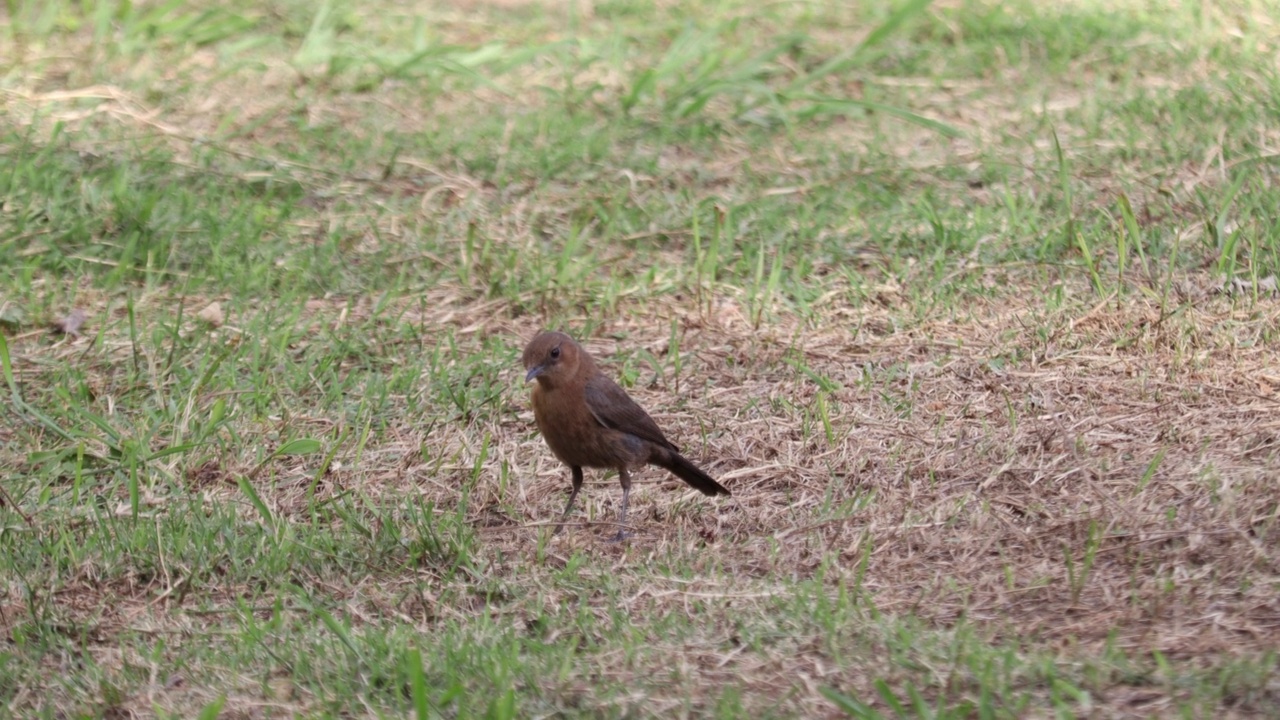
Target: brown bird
{"points": [[589, 421]]}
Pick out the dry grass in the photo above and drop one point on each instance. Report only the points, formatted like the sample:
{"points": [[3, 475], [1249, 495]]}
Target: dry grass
{"points": [[1084, 479], [1112, 485], [989, 456]]}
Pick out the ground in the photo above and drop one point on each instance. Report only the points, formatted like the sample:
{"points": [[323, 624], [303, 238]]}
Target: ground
{"points": [[971, 305]]}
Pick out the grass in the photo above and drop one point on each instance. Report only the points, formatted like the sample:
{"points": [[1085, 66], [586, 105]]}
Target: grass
{"points": [[970, 304]]}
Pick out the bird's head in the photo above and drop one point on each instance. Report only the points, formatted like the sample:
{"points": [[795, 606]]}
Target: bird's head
{"points": [[551, 357]]}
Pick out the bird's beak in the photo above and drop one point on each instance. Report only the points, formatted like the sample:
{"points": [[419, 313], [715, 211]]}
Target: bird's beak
{"points": [[534, 372]]}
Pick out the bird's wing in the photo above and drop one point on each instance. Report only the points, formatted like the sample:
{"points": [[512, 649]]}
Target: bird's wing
{"points": [[614, 408]]}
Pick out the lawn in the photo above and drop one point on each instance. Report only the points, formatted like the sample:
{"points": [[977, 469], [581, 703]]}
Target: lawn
{"points": [[971, 304]]}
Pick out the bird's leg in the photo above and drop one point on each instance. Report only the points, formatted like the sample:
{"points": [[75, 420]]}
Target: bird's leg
{"points": [[625, 479], [573, 495]]}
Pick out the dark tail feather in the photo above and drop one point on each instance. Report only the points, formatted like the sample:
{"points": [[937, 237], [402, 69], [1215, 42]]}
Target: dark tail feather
{"points": [[690, 473]]}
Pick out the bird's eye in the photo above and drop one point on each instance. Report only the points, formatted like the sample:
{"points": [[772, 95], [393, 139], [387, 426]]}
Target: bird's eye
{"points": [[555, 353]]}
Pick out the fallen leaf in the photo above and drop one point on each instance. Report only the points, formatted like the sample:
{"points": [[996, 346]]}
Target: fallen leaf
{"points": [[1264, 285], [71, 324], [280, 686], [212, 314], [11, 315]]}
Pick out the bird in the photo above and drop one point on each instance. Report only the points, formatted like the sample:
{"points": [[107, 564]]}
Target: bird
{"points": [[588, 420]]}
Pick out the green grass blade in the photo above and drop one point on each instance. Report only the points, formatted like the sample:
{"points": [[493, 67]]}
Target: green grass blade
{"points": [[47, 422], [328, 620], [213, 709], [6, 367], [256, 500], [861, 52], [300, 446], [833, 106], [417, 684], [854, 707]]}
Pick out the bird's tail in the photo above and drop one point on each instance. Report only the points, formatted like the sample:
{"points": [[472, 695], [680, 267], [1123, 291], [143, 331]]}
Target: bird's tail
{"points": [[688, 472]]}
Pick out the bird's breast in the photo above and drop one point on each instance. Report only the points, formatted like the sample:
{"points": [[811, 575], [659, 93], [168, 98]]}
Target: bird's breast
{"points": [[577, 438]]}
